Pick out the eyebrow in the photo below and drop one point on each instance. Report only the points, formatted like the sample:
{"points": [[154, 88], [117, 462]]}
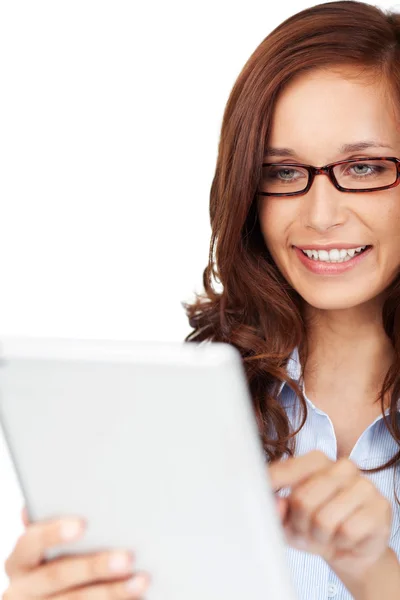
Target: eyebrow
{"points": [[355, 147]]}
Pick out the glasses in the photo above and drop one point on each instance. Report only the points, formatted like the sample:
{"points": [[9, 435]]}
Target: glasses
{"points": [[355, 175]]}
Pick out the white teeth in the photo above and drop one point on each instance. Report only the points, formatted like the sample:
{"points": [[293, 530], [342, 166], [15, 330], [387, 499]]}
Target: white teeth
{"points": [[335, 255], [323, 255]]}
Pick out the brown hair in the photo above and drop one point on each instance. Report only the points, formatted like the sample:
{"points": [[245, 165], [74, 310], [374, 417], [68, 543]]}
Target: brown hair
{"points": [[257, 311]]}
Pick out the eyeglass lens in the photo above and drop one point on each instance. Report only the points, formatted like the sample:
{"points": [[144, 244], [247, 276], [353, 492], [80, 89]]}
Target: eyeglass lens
{"points": [[280, 179]]}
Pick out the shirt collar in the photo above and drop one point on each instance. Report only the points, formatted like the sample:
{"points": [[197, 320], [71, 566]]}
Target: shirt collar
{"points": [[293, 369]]}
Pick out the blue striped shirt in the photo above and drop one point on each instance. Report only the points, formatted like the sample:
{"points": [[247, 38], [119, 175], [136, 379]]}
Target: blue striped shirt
{"points": [[312, 577]]}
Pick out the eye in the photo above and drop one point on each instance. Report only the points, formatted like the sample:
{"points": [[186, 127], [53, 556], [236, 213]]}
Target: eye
{"points": [[367, 169], [363, 169], [366, 174], [283, 174]]}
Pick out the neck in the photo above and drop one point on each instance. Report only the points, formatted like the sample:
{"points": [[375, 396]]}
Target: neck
{"points": [[349, 353]]}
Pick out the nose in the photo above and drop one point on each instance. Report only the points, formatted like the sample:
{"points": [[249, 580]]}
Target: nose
{"points": [[323, 205]]}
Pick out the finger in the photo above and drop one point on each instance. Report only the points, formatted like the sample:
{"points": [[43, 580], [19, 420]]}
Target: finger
{"points": [[282, 506], [294, 470], [369, 525], [315, 497], [305, 543], [133, 588], [30, 548], [24, 516], [337, 513], [65, 573]]}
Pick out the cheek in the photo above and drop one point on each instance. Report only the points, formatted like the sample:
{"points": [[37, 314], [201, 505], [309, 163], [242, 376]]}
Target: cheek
{"points": [[386, 228], [275, 221], [389, 253]]}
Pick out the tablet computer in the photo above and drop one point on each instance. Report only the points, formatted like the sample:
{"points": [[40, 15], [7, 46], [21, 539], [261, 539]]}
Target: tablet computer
{"points": [[156, 446]]}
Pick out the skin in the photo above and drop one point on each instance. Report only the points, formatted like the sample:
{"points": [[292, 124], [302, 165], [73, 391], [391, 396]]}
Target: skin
{"points": [[93, 577], [334, 511], [316, 115]]}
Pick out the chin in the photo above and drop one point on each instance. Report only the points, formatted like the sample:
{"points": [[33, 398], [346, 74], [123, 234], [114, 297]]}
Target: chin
{"points": [[335, 301]]}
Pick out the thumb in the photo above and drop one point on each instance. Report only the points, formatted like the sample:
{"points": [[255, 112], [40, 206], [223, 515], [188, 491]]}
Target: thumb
{"points": [[282, 504], [24, 516]]}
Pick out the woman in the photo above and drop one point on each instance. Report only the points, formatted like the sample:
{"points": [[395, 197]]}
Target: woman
{"points": [[309, 267]]}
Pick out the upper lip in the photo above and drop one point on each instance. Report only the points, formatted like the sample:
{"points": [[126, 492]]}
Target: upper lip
{"points": [[338, 245]]}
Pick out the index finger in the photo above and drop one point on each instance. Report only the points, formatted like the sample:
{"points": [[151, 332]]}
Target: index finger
{"points": [[294, 470], [30, 548], [24, 516]]}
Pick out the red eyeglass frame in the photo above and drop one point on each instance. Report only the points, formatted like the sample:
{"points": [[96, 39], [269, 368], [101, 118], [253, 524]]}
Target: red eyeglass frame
{"points": [[328, 170]]}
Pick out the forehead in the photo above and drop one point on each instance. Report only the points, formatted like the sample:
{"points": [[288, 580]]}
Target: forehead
{"points": [[318, 112]]}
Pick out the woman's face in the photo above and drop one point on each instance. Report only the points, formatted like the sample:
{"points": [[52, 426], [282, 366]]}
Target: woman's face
{"points": [[315, 115]]}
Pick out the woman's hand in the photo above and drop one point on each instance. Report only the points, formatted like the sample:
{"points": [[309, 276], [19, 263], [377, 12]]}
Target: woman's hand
{"points": [[333, 511], [99, 576]]}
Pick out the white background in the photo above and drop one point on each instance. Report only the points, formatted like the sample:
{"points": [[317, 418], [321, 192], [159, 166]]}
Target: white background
{"points": [[110, 114]]}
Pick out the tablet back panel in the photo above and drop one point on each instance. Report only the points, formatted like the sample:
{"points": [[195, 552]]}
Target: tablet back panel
{"points": [[156, 446]]}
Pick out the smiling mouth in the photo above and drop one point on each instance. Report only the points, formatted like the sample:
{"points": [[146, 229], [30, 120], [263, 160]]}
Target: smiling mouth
{"points": [[335, 255]]}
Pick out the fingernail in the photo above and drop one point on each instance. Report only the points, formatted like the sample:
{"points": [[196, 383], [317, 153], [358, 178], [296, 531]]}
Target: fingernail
{"points": [[119, 562], [71, 529], [138, 584]]}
